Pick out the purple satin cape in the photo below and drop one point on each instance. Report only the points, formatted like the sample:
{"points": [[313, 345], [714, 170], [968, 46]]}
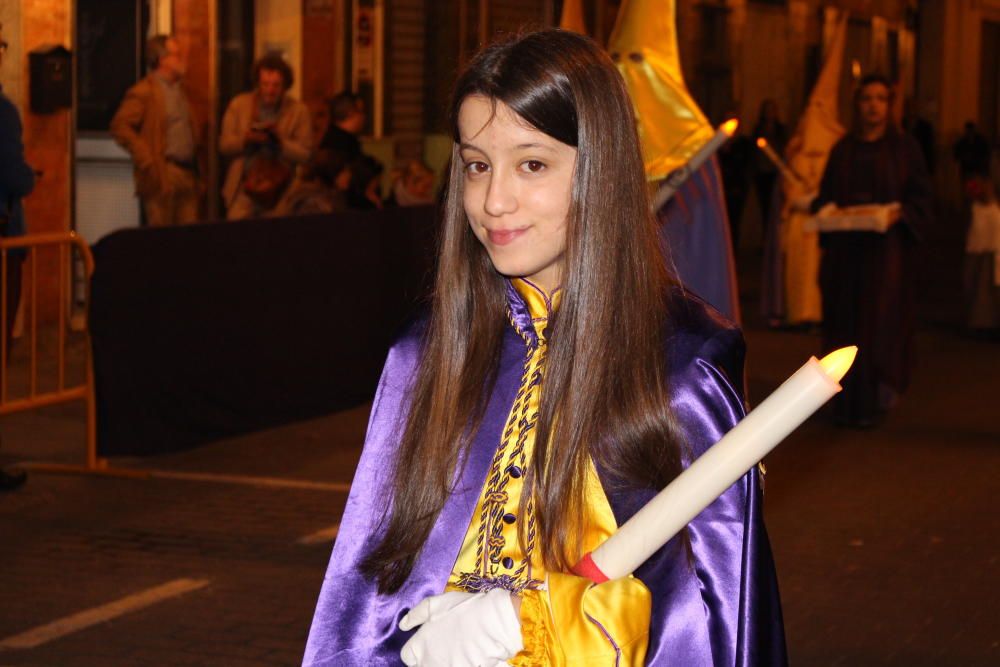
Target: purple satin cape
{"points": [[716, 604], [696, 241]]}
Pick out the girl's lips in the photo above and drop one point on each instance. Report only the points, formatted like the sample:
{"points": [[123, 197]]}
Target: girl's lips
{"points": [[504, 236]]}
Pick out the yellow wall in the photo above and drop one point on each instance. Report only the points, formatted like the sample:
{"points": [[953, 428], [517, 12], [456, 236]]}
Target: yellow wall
{"points": [[12, 75], [948, 64], [960, 60], [29, 24], [46, 136]]}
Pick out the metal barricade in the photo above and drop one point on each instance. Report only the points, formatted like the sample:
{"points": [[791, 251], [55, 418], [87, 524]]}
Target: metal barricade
{"points": [[65, 244]]}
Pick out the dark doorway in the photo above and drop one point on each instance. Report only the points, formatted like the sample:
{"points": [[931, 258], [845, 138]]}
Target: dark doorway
{"points": [[110, 39], [236, 43]]}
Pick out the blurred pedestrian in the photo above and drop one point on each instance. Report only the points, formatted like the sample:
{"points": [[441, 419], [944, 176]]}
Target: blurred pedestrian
{"points": [[322, 187], [364, 191], [982, 260], [17, 180], [770, 128], [412, 186], [156, 125], [735, 159], [920, 129], [268, 133], [972, 152], [347, 121], [867, 277]]}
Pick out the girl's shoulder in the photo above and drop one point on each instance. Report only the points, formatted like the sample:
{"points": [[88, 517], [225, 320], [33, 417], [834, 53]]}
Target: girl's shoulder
{"points": [[689, 316], [405, 351], [409, 337], [697, 333]]}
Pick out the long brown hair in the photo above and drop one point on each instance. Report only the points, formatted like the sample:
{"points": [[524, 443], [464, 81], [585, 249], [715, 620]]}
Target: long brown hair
{"points": [[604, 375]]}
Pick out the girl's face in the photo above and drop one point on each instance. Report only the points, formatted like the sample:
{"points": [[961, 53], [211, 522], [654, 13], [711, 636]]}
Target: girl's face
{"points": [[518, 186]]}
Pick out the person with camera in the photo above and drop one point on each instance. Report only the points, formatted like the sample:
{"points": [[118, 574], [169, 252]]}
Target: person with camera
{"points": [[268, 135]]}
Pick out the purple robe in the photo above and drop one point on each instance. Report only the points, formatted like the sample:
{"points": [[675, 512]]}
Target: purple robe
{"points": [[868, 280], [697, 242], [716, 606]]}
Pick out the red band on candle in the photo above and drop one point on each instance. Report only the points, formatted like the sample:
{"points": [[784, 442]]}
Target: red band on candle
{"points": [[588, 568]]}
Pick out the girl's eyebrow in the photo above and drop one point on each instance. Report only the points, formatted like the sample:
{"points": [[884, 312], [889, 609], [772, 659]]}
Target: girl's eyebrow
{"points": [[467, 146], [534, 145]]}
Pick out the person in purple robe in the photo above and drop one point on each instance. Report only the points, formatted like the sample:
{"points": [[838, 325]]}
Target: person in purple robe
{"points": [[560, 379], [696, 242], [867, 278]]}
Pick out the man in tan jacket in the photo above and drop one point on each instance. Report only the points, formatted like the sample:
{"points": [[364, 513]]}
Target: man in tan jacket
{"points": [[156, 125], [261, 128]]}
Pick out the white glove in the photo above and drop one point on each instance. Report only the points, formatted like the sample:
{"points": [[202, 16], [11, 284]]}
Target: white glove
{"points": [[462, 630]]}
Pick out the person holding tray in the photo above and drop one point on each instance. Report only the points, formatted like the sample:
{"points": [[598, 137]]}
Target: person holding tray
{"points": [[867, 275], [560, 379]]}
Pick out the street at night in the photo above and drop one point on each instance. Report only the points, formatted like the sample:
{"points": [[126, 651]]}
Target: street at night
{"points": [[886, 540]]}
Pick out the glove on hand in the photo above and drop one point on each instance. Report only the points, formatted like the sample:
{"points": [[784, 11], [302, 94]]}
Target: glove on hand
{"points": [[462, 629]]}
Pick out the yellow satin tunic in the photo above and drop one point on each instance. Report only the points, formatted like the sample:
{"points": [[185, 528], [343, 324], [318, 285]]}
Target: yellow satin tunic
{"points": [[565, 619]]}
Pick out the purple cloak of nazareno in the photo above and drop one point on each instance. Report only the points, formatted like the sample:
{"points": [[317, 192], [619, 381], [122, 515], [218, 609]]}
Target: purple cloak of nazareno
{"points": [[715, 598], [694, 229]]}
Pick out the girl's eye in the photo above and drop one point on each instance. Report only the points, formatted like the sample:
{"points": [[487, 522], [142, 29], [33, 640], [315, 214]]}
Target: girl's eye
{"points": [[475, 168], [533, 166]]}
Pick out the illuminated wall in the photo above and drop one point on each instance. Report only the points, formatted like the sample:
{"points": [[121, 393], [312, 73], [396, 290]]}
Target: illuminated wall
{"points": [[29, 24]]}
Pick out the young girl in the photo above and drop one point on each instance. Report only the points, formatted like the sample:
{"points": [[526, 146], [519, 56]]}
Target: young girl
{"points": [[559, 381]]}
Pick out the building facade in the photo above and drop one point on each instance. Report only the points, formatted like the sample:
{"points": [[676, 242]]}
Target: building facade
{"points": [[404, 54]]}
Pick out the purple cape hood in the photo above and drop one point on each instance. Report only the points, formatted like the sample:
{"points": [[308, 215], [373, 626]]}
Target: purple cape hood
{"points": [[716, 604]]}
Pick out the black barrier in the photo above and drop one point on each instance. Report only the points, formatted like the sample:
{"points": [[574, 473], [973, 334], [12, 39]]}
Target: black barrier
{"points": [[212, 330]]}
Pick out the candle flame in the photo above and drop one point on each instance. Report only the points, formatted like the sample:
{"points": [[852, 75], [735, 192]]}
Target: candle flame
{"points": [[761, 143], [837, 363], [729, 127]]}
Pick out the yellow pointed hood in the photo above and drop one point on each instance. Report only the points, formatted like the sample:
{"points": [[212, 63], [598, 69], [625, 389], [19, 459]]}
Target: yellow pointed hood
{"points": [[819, 127], [644, 46]]}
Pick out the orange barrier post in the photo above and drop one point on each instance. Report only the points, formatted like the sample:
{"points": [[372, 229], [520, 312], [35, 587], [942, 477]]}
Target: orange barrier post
{"points": [[66, 243]]}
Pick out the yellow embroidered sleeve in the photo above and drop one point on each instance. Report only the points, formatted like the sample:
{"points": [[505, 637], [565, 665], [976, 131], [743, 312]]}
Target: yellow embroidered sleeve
{"points": [[576, 623]]}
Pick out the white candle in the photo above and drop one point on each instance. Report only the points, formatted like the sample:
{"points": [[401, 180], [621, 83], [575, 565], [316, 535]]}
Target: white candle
{"points": [[718, 468], [676, 179], [782, 166]]}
